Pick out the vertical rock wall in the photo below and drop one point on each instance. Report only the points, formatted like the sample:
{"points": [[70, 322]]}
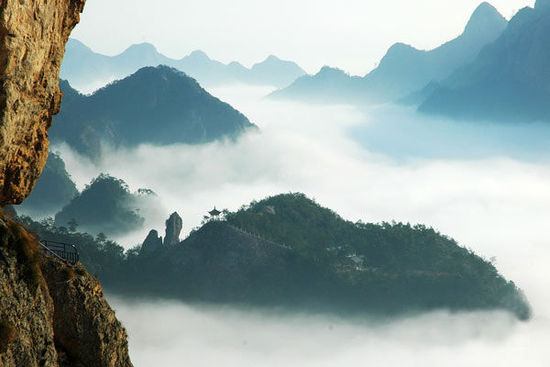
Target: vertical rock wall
{"points": [[51, 314], [33, 34]]}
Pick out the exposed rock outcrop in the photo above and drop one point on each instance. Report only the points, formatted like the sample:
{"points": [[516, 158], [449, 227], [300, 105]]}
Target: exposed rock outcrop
{"points": [[174, 225], [152, 242], [86, 330], [52, 314], [32, 44]]}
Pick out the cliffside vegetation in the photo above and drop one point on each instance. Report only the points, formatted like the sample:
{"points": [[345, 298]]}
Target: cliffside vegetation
{"points": [[106, 205]]}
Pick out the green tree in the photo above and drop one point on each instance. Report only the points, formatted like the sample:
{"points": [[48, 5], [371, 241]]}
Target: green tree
{"points": [[73, 225]]}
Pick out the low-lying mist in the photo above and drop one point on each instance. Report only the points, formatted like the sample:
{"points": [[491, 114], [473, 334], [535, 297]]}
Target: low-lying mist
{"points": [[167, 333], [487, 186]]}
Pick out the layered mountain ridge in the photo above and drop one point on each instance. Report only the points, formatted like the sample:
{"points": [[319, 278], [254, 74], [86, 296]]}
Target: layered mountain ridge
{"points": [[508, 81], [83, 68], [404, 69]]}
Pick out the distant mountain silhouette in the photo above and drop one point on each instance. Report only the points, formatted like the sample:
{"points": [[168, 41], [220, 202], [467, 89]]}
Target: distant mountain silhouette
{"points": [[84, 68], [404, 69], [106, 206], [509, 81], [53, 190], [155, 105], [328, 85]]}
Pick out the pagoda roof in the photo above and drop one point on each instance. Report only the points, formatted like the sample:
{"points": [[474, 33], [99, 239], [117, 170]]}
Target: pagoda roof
{"points": [[215, 212]]}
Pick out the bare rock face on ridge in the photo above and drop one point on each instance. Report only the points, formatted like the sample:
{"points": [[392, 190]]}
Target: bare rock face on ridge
{"points": [[32, 44], [152, 242], [52, 314], [174, 225]]}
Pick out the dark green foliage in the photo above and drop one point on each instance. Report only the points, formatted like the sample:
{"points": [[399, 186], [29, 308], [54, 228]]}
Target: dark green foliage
{"points": [[406, 258], [106, 205], [53, 190], [101, 256], [7, 335], [289, 251], [155, 105]]}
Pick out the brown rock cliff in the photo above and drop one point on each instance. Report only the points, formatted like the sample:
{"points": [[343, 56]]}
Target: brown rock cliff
{"points": [[52, 314], [33, 34]]}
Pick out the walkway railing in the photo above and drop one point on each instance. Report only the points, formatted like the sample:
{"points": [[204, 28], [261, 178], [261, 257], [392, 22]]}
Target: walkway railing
{"points": [[63, 251]]}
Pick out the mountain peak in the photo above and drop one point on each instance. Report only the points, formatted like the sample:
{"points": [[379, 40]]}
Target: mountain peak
{"points": [[331, 72], [161, 72], [74, 43], [142, 47], [272, 58], [329, 69], [199, 55], [485, 17], [397, 52], [140, 50]]}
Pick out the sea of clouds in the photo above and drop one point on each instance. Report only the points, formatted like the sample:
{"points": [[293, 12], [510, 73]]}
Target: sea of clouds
{"points": [[486, 185]]}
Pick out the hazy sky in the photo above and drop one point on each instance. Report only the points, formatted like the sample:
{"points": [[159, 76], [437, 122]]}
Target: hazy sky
{"points": [[350, 34]]}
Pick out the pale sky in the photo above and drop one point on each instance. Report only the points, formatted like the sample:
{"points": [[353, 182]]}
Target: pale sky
{"points": [[350, 34]]}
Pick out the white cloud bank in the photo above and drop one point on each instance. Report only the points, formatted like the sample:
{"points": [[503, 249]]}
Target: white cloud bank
{"points": [[174, 334]]}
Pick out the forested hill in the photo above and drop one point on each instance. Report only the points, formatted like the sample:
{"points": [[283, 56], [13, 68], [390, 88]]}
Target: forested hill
{"points": [[288, 251], [52, 191], [156, 105]]}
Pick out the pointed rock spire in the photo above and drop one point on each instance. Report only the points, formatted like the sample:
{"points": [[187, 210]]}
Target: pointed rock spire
{"points": [[152, 242], [174, 225]]}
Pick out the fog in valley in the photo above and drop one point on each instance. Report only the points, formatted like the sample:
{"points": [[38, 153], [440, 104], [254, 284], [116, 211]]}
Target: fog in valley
{"points": [[485, 185], [174, 334]]}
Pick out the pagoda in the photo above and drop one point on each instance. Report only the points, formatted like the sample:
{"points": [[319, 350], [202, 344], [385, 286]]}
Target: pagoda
{"points": [[214, 213]]}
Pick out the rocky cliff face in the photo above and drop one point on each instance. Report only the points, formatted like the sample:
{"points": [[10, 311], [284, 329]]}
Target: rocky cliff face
{"points": [[52, 314], [32, 43]]}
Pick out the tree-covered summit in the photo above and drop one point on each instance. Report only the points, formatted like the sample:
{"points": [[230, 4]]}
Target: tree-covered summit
{"points": [[156, 105], [288, 251]]}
